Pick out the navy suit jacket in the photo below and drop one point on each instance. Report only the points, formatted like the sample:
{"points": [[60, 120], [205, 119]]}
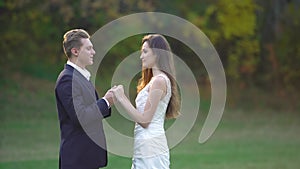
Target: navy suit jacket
{"points": [[80, 113]]}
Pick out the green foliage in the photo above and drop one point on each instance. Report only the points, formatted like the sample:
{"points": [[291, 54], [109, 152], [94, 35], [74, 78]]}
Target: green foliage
{"points": [[231, 25], [236, 18], [256, 40], [287, 47]]}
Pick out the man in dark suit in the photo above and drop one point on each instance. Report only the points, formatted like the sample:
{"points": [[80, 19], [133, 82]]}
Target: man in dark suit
{"points": [[80, 111]]}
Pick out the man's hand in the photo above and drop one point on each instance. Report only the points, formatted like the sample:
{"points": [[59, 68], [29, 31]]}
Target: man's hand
{"points": [[109, 96]]}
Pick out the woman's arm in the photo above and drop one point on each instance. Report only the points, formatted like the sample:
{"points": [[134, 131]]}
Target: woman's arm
{"points": [[156, 93]]}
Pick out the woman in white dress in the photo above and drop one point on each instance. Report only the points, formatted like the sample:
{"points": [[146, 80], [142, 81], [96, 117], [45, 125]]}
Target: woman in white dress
{"points": [[156, 101]]}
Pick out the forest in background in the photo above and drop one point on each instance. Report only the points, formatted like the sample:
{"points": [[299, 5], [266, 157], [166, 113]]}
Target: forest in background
{"points": [[257, 41]]}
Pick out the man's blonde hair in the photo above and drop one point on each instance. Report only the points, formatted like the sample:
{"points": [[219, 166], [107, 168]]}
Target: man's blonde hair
{"points": [[72, 39]]}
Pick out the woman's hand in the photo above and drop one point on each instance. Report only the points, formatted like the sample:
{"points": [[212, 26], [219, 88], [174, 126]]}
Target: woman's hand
{"points": [[118, 92]]}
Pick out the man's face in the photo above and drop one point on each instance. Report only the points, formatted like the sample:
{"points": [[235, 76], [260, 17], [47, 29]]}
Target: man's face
{"points": [[85, 53]]}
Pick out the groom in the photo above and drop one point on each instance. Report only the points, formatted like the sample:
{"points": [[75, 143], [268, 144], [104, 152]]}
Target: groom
{"points": [[80, 111]]}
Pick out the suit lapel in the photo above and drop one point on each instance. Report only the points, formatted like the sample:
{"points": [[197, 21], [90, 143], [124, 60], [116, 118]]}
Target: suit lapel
{"points": [[82, 80]]}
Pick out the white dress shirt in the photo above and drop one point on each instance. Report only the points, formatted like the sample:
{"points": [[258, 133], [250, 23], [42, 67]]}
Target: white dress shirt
{"points": [[84, 72]]}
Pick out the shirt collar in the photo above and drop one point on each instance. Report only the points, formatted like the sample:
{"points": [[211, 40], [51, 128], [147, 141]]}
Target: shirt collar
{"points": [[84, 72]]}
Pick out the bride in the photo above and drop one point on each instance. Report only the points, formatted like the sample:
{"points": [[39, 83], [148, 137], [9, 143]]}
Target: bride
{"points": [[156, 101]]}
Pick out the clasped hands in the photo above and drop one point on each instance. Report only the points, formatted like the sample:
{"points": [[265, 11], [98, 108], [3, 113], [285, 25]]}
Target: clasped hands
{"points": [[114, 94]]}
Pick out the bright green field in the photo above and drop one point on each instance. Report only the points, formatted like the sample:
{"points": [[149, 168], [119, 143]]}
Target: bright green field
{"points": [[29, 135]]}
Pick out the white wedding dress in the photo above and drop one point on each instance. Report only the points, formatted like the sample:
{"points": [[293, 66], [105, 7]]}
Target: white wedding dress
{"points": [[150, 144]]}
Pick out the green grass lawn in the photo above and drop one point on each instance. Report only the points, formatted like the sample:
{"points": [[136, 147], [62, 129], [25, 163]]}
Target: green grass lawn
{"points": [[29, 135]]}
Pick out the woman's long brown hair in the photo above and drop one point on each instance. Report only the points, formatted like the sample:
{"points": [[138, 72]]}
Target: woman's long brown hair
{"points": [[165, 63]]}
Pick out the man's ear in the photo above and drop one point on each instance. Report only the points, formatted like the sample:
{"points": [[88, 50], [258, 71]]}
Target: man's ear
{"points": [[74, 51]]}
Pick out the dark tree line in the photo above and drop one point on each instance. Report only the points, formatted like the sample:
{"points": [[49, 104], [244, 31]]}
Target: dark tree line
{"points": [[257, 40]]}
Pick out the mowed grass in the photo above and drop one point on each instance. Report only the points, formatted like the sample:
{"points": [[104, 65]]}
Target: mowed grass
{"points": [[261, 139]]}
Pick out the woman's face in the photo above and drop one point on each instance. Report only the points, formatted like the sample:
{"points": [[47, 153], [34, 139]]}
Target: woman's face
{"points": [[148, 57]]}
